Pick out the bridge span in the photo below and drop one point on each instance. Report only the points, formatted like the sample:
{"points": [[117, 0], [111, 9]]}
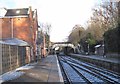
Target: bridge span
{"points": [[65, 47]]}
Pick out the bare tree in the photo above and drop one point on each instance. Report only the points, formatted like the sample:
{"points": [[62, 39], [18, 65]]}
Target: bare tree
{"points": [[105, 17], [75, 34]]}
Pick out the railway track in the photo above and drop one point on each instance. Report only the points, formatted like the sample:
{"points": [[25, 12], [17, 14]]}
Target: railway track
{"points": [[78, 71], [110, 76], [64, 73]]}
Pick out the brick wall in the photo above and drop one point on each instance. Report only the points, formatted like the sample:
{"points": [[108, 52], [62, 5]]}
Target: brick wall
{"points": [[6, 28], [22, 29], [35, 29], [17, 28]]}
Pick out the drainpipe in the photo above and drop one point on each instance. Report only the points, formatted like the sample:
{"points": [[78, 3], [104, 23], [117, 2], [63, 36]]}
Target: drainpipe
{"points": [[10, 57], [1, 47], [44, 52], [12, 26], [1, 22]]}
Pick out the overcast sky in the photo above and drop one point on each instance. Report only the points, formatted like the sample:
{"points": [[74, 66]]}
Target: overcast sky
{"points": [[61, 14]]}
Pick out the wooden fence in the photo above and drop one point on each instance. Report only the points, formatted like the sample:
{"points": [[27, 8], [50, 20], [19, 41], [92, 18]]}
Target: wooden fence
{"points": [[12, 57]]}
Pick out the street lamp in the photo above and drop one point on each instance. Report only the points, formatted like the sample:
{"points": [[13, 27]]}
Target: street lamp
{"points": [[88, 47]]}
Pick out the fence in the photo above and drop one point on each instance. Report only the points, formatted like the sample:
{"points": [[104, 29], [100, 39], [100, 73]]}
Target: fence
{"points": [[13, 56]]}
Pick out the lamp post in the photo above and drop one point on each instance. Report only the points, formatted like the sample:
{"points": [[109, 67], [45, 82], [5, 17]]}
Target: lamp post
{"points": [[88, 47], [103, 45]]}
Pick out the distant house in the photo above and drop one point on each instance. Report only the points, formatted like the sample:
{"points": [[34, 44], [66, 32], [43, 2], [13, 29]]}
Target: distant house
{"points": [[41, 50], [99, 49], [22, 24]]}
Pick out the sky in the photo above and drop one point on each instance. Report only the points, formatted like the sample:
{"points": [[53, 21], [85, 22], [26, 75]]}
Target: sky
{"points": [[63, 15]]}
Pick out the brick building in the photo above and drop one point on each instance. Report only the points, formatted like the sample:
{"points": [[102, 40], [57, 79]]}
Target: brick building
{"points": [[22, 24]]}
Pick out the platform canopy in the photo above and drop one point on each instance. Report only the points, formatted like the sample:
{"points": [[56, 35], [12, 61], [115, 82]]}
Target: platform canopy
{"points": [[14, 41]]}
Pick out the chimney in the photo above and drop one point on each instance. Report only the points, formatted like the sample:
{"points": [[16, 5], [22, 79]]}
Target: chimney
{"points": [[3, 12]]}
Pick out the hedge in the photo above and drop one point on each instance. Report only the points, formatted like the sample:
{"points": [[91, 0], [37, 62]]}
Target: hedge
{"points": [[112, 40]]}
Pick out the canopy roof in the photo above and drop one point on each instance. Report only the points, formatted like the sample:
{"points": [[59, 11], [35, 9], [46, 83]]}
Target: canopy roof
{"points": [[14, 41]]}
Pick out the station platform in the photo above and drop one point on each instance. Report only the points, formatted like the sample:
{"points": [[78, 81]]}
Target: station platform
{"points": [[100, 58], [101, 61], [46, 70]]}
